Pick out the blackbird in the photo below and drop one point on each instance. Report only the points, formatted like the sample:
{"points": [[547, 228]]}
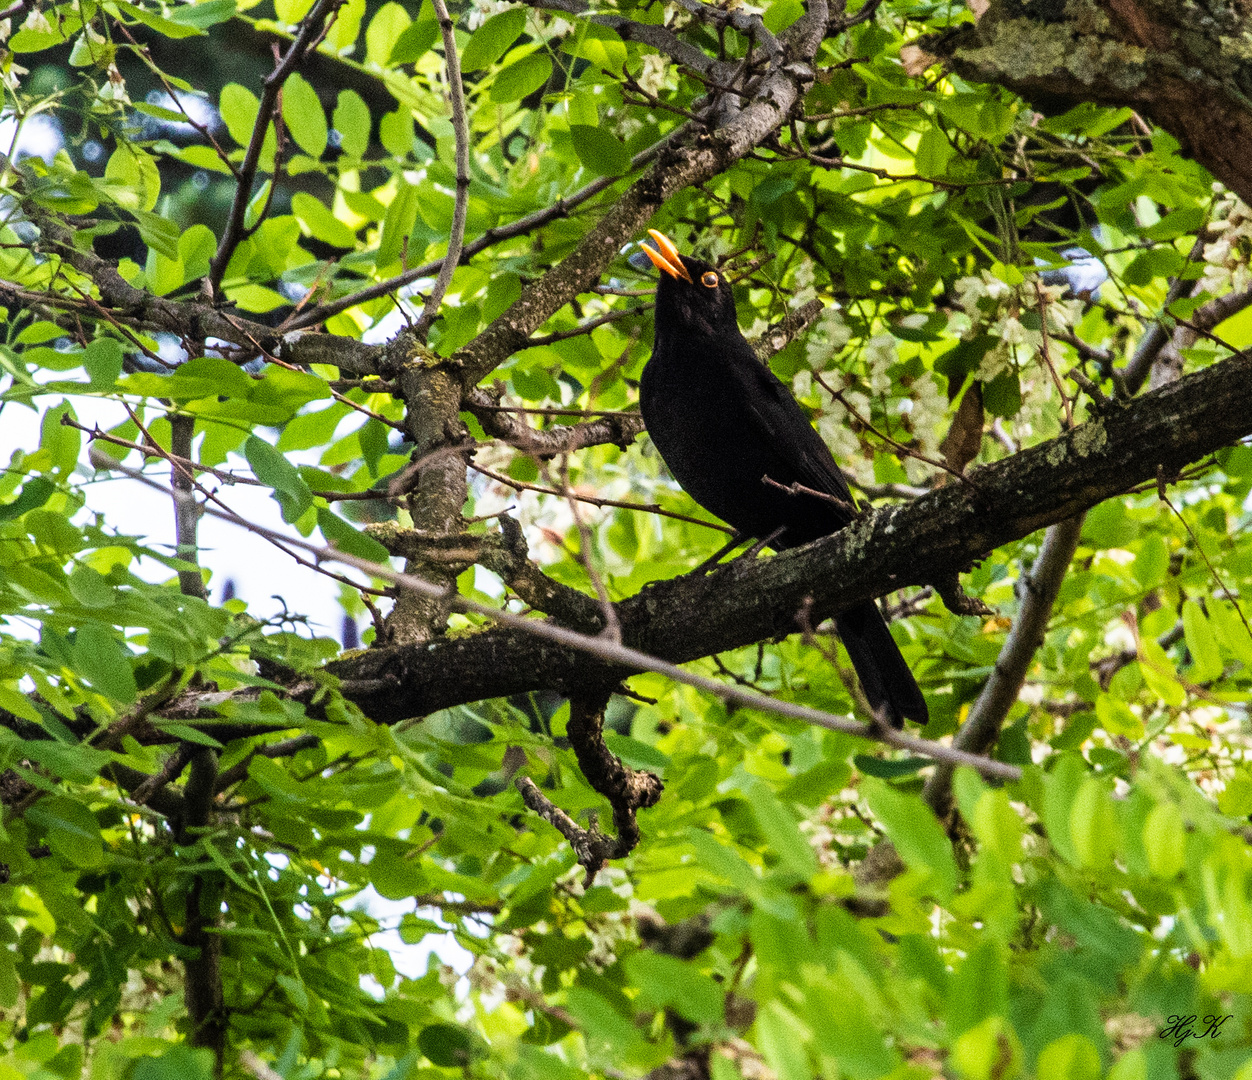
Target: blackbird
{"points": [[724, 423]]}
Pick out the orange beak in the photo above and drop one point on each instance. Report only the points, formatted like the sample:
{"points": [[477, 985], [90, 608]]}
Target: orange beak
{"points": [[666, 259]]}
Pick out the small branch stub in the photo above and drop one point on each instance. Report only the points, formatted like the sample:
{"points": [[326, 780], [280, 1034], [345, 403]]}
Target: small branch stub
{"points": [[627, 790]]}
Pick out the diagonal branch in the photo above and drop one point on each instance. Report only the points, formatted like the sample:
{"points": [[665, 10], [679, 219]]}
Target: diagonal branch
{"points": [[558, 210], [628, 790], [306, 39], [460, 128], [887, 549], [675, 169]]}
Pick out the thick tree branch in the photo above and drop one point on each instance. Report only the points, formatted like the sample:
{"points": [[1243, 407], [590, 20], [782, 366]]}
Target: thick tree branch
{"points": [[186, 509], [557, 439], [888, 549], [1181, 65], [675, 169], [203, 974], [627, 789], [982, 727]]}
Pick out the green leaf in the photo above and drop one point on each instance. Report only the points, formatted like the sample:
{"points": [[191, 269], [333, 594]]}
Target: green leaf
{"points": [[352, 121], [918, 837], [395, 132], [133, 178], [90, 589], [195, 248], [782, 834], [166, 27], [343, 536], [344, 30], [1093, 824], [667, 982], [180, 1062], [602, 45], [1002, 396], [1165, 840], [417, 38], [292, 11], [599, 150], [186, 732], [1202, 641], [160, 234], [979, 988], [315, 220], [204, 14], [886, 769], [450, 1045], [1071, 1057], [239, 108], [35, 492], [72, 830], [304, 116], [100, 658], [103, 360], [60, 440], [19, 705], [384, 31], [492, 40], [778, 1034], [272, 468], [933, 153], [394, 877], [521, 78], [398, 223]]}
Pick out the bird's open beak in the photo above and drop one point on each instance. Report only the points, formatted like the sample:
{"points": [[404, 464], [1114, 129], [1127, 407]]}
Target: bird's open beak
{"points": [[665, 256]]}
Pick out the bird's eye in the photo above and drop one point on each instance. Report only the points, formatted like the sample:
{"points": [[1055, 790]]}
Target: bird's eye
{"points": [[709, 279]]}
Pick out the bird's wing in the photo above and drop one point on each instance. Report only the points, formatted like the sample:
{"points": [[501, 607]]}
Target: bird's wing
{"points": [[792, 437]]}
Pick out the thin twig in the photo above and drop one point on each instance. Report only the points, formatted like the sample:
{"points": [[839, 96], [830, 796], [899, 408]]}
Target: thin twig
{"points": [[647, 508], [585, 328], [612, 652], [154, 448], [460, 128], [1160, 490], [551, 411], [559, 209], [838, 395], [305, 40], [799, 489], [612, 627], [1045, 351]]}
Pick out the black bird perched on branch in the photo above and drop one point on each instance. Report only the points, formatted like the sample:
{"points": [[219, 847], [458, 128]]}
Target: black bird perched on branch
{"points": [[734, 437]]}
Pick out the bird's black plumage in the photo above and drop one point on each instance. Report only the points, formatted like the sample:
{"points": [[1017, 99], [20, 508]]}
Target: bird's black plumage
{"points": [[723, 421]]}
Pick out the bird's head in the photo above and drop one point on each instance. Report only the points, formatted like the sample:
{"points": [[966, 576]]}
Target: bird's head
{"points": [[692, 295]]}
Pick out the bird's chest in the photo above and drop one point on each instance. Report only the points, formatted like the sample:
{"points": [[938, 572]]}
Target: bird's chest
{"points": [[708, 436]]}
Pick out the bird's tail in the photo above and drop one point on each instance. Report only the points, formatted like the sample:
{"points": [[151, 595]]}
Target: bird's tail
{"points": [[886, 679]]}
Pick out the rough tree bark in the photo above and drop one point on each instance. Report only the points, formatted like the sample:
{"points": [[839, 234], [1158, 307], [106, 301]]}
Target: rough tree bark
{"points": [[1184, 66], [747, 601]]}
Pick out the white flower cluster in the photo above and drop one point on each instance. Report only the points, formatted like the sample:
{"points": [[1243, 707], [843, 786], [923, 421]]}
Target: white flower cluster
{"points": [[930, 409], [835, 428], [482, 10], [827, 338], [656, 73], [1226, 258], [804, 280], [880, 355], [923, 402]]}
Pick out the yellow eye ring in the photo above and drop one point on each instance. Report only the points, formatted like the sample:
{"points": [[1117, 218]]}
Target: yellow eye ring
{"points": [[709, 279]]}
